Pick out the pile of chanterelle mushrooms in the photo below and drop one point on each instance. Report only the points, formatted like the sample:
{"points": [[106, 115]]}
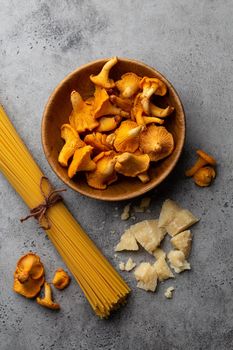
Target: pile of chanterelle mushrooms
{"points": [[118, 130]]}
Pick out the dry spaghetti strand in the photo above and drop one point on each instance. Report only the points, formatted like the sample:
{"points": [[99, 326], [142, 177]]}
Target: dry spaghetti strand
{"points": [[103, 287]]}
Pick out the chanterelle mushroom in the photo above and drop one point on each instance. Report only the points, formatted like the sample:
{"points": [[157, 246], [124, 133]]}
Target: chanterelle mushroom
{"points": [[82, 115], [97, 141], [127, 136], [204, 176], [157, 142], [130, 164], [47, 301], [102, 79], [72, 142], [128, 85], [149, 87], [102, 105], [108, 123], [137, 110], [61, 279], [81, 161], [29, 265], [203, 160], [30, 288], [105, 173], [160, 112]]}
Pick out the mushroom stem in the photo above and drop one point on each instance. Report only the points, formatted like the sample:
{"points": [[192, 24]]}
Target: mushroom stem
{"points": [[135, 131], [198, 165], [23, 276], [157, 147]]}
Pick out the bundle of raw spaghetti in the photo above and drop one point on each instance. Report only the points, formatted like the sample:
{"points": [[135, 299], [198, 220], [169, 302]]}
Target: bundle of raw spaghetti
{"points": [[101, 284]]}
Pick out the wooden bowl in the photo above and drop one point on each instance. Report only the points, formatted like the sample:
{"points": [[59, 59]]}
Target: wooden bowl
{"points": [[59, 107]]}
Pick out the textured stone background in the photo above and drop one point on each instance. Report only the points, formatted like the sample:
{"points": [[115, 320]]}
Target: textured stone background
{"points": [[191, 43]]}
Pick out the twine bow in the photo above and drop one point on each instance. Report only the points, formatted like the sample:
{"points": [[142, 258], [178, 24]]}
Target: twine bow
{"points": [[40, 212]]}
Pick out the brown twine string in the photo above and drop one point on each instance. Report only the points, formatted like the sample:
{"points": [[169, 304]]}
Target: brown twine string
{"points": [[40, 212]]}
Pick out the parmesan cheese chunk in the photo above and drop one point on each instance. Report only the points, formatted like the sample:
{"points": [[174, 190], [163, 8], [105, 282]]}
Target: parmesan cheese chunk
{"points": [[183, 241], [130, 265], [183, 220], [177, 261], [127, 242], [158, 253], [126, 212], [162, 269], [168, 212], [169, 292], [148, 234], [122, 266], [146, 276]]}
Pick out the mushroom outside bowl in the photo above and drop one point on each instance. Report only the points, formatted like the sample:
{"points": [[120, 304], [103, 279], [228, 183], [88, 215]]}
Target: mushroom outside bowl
{"points": [[57, 113]]}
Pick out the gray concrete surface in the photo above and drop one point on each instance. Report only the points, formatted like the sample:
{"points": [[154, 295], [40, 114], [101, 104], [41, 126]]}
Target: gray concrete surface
{"points": [[191, 43]]}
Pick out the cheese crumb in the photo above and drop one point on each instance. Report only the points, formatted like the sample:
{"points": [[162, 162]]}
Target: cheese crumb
{"points": [[177, 261], [158, 253], [148, 234], [126, 212], [130, 265], [146, 276], [169, 292], [183, 241], [162, 269], [121, 266], [127, 242]]}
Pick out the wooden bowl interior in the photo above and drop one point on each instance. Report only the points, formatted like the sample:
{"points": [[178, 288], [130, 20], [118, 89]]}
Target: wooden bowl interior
{"points": [[59, 107]]}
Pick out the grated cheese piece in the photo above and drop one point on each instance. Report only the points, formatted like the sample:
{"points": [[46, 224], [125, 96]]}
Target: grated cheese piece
{"points": [[148, 234], [168, 212], [183, 241], [169, 292], [162, 269], [130, 265], [121, 266], [177, 261], [158, 253], [146, 276], [126, 212], [183, 220], [127, 242]]}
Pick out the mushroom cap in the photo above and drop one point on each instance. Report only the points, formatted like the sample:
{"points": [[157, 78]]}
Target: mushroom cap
{"points": [[61, 279], [30, 288], [204, 176], [97, 141], [102, 79], [158, 85], [128, 85], [47, 300], [206, 157], [81, 161], [108, 123], [105, 173], [130, 164], [29, 265], [127, 137], [157, 142]]}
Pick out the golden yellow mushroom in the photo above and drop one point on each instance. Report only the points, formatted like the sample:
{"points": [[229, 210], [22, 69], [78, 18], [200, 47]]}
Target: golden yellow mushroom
{"points": [[157, 142], [127, 136], [105, 173], [204, 176], [204, 159], [128, 85], [47, 301], [97, 141], [81, 161], [132, 165], [61, 279], [82, 115], [72, 142], [102, 79]]}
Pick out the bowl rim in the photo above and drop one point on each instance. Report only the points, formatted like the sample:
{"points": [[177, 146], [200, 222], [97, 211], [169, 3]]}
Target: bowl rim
{"points": [[147, 187]]}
